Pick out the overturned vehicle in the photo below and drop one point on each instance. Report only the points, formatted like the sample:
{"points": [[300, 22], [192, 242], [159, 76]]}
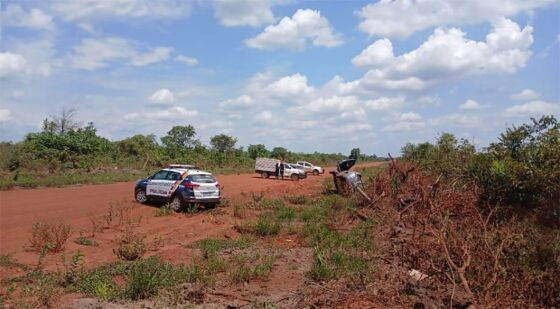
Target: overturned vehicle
{"points": [[347, 182]]}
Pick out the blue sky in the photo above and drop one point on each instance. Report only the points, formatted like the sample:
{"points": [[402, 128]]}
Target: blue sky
{"points": [[307, 75]]}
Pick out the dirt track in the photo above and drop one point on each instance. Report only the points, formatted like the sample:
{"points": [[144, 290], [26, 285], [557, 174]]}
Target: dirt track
{"points": [[19, 208]]}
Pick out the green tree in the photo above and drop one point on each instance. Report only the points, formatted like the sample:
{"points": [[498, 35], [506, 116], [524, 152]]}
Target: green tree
{"points": [[279, 153], [222, 143], [355, 153], [256, 151], [180, 136]]}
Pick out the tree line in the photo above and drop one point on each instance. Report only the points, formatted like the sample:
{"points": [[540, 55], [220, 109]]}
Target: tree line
{"points": [[64, 144]]}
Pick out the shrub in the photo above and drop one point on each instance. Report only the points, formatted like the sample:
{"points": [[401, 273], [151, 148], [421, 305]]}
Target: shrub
{"points": [[84, 241], [52, 236], [130, 246]]}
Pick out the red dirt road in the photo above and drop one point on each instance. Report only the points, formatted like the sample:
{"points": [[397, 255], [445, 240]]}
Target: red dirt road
{"points": [[20, 208]]}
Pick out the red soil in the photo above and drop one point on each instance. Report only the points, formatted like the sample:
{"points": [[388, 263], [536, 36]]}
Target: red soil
{"points": [[78, 205]]}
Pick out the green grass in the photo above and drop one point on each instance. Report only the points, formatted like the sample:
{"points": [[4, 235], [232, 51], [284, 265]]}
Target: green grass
{"points": [[249, 268], [30, 180], [266, 226], [211, 246], [164, 210]]}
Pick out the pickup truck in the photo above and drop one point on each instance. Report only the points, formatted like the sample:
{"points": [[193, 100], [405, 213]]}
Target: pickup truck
{"points": [[310, 168], [267, 167]]}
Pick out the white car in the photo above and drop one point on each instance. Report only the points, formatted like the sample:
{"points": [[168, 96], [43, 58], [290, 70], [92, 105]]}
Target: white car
{"points": [[179, 187], [310, 168]]}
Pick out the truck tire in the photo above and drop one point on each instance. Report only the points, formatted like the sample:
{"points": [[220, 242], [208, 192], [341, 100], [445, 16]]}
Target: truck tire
{"points": [[264, 175], [294, 177], [315, 173], [140, 196], [176, 203]]}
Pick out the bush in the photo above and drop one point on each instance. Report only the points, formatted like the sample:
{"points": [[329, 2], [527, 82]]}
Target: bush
{"points": [[130, 246], [49, 236], [521, 169]]}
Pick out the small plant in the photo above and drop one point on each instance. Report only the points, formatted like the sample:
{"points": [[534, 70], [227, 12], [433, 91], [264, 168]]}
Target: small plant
{"points": [[266, 226], [85, 241], [164, 210], [73, 267], [210, 246], [257, 197], [286, 214], [96, 225], [130, 246], [49, 235], [296, 199], [238, 211], [157, 243], [247, 269]]}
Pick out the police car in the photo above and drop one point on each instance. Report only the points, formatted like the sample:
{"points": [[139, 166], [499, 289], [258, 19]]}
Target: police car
{"points": [[179, 185]]}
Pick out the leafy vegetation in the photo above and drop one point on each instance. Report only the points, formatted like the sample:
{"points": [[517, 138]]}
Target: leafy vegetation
{"points": [[49, 236], [521, 169], [65, 153]]}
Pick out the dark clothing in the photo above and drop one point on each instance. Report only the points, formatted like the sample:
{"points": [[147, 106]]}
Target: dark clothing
{"points": [[282, 171]]}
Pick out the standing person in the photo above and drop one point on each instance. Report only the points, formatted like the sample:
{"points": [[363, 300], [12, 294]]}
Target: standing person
{"points": [[282, 169], [277, 172]]}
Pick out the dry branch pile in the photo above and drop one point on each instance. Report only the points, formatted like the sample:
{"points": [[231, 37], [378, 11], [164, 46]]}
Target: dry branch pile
{"points": [[458, 251]]}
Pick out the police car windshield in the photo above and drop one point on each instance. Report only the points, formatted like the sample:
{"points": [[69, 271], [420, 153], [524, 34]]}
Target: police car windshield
{"points": [[202, 178]]}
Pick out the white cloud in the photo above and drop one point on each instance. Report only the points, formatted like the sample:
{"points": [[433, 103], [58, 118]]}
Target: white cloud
{"points": [[158, 54], [525, 94], [13, 15], [85, 10], [162, 96], [533, 108], [92, 54], [446, 55], [173, 113], [410, 116], [241, 103], [190, 61], [400, 18], [458, 120], [385, 103], [377, 54], [404, 126], [296, 31], [5, 115], [244, 12], [289, 87], [11, 64], [470, 104]]}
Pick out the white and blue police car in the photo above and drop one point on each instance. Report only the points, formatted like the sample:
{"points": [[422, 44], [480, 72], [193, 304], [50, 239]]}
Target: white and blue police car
{"points": [[179, 185]]}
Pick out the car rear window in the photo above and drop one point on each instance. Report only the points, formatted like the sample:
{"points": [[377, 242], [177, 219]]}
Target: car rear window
{"points": [[202, 178]]}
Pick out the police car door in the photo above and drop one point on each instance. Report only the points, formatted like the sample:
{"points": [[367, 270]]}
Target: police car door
{"points": [[159, 185]]}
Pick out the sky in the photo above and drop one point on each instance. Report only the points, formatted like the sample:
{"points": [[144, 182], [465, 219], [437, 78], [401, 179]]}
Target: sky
{"points": [[322, 76]]}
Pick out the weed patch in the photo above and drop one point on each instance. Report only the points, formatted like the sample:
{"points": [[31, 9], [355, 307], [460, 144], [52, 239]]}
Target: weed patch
{"points": [[164, 210], [130, 246], [52, 236]]}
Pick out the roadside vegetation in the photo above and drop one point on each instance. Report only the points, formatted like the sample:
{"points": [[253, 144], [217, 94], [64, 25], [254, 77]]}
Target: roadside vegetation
{"points": [[65, 152], [447, 226]]}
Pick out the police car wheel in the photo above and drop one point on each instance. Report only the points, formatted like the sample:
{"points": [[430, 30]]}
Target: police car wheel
{"points": [[316, 172], [140, 196], [176, 203], [294, 177], [264, 175]]}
